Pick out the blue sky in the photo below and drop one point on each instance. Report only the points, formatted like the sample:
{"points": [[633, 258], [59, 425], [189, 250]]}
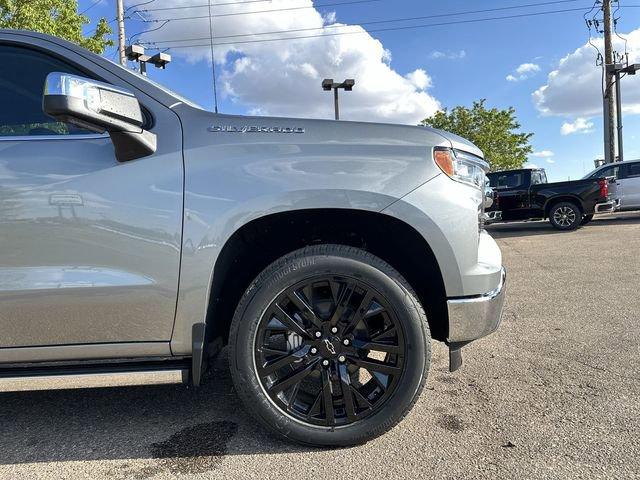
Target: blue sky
{"points": [[459, 64]]}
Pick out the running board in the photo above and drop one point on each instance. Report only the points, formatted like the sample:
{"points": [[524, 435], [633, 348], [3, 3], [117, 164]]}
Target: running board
{"points": [[16, 381]]}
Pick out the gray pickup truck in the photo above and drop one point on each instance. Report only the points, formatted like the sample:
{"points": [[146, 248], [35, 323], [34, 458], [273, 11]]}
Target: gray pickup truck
{"points": [[139, 234]]}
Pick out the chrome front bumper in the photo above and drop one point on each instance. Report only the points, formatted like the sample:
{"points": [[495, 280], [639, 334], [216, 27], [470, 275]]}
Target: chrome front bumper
{"points": [[475, 317]]}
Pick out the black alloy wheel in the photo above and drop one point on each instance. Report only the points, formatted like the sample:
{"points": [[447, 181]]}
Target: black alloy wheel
{"points": [[329, 346], [329, 350]]}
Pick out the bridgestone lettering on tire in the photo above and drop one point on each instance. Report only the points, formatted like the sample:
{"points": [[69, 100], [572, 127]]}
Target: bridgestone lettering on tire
{"points": [[329, 346]]}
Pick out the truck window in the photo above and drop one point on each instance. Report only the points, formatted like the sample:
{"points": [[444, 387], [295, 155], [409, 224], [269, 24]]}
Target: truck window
{"points": [[538, 178], [632, 170], [22, 80], [506, 180], [611, 171]]}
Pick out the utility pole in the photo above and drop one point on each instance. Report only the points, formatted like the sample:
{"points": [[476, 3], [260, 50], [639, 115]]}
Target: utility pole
{"points": [[121, 37], [609, 105]]}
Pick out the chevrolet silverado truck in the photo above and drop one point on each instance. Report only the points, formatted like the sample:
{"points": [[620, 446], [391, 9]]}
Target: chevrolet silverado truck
{"points": [[525, 194], [140, 234]]}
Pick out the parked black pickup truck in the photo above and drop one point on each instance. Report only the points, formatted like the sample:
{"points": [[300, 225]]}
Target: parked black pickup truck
{"points": [[525, 195]]}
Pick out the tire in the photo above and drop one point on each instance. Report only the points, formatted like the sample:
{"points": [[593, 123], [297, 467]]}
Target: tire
{"points": [[378, 304], [565, 216], [586, 219]]}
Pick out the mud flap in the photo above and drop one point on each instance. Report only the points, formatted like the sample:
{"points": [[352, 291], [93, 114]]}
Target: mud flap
{"points": [[198, 333], [455, 356]]}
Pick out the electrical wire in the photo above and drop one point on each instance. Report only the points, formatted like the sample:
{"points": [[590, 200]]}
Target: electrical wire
{"points": [[146, 31], [233, 14], [126, 10], [374, 22], [181, 7], [405, 27], [95, 2]]}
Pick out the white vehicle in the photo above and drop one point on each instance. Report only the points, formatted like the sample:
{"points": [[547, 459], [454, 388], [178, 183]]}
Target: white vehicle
{"points": [[627, 176]]}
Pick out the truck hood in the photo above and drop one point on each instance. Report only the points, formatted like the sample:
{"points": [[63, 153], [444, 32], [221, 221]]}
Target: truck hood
{"points": [[286, 154], [336, 131]]}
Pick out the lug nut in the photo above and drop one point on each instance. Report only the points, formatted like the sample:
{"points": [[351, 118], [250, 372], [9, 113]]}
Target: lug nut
{"points": [[334, 329], [314, 350], [325, 363], [342, 358], [318, 334], [346, 341]]}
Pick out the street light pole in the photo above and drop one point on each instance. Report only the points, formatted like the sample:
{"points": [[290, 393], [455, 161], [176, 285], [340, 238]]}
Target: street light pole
{"points": [[328, 85]]}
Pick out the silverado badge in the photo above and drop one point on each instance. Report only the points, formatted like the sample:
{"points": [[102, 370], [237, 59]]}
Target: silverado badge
{"points": [[254, 129]]}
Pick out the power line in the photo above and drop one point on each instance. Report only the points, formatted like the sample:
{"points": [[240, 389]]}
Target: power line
{"points": [[126, 10], [373, 22], [350, 2], [181, 7], [405, 27], [95, 2]]}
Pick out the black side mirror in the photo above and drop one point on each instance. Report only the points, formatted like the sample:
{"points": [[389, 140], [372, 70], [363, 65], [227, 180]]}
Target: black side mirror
{"points": [[99, 107]]}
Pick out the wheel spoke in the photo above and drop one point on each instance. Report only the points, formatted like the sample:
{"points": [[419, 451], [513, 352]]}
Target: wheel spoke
{"points": [[293, 378], [345, 382], [316, 406], [376, 346], [342, 304], [290, 322], [327, 392], [269, 367], [375, 366], [361, 398], [306, 309], [359, 312], [388, 333]]}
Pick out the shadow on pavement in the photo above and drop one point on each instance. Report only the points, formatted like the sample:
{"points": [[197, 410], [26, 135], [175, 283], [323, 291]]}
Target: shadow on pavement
{"points": [[185, 430]]}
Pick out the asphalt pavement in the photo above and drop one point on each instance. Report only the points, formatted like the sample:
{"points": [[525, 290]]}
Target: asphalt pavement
{"points": [[555, 393]]}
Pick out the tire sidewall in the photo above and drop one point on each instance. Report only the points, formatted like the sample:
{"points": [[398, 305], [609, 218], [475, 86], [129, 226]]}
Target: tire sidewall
{"points": [[305, 264]]}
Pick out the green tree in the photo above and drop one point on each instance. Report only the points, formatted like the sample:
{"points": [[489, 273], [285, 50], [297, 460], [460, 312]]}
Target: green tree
{"points": [[494, 131], [55, 17]]}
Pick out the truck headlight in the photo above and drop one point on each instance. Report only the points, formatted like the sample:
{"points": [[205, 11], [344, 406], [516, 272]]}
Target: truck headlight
{"points": [[461, 166]]}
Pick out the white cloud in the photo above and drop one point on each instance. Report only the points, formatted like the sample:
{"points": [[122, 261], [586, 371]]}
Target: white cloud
{"points": [[283, 77], [419, 79], [528, 68], [543, 154], [530, 165], [550, 160], [522, 72], [574, 88], [437, 54], [580, 125]]}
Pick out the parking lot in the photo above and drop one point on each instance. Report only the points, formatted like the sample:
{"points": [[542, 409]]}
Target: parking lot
{"points": [[553, 394]]}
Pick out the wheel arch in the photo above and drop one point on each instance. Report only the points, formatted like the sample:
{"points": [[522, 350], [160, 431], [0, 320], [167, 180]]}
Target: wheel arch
{"points": [[256, 244], [562, 198]]}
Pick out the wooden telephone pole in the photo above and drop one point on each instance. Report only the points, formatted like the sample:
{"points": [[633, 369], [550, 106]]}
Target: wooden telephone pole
{"points": [[609, 90]]}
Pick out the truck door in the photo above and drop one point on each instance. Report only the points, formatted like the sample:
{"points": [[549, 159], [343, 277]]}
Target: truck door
{"points": [[629, 185], [89, 246], [512, 190]]}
